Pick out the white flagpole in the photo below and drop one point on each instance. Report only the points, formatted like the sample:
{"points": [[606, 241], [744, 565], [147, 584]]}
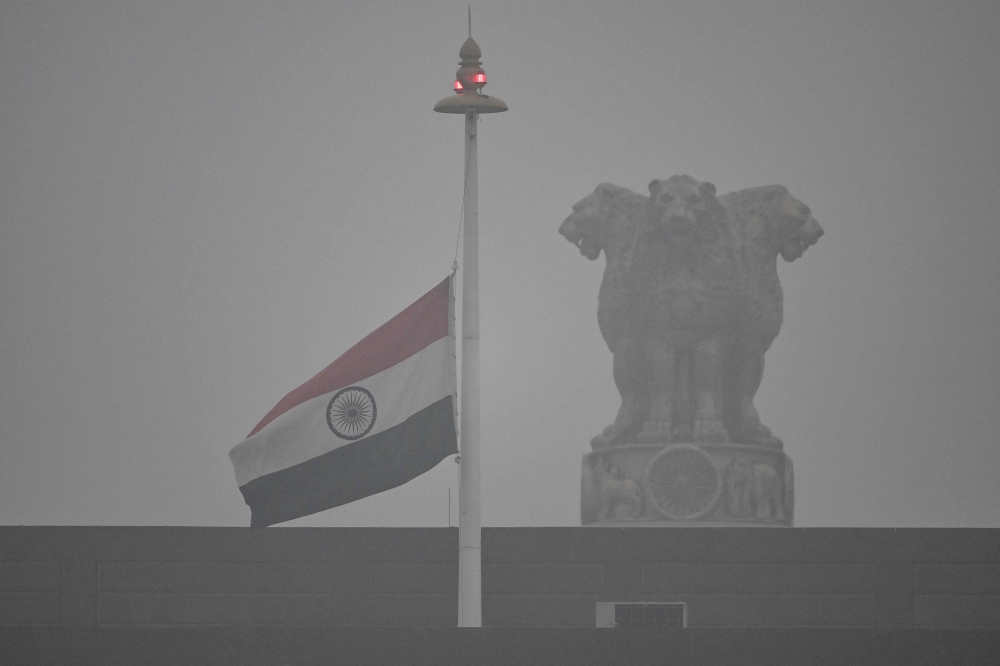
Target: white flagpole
{"points": [[469, 101], [470, 607]]}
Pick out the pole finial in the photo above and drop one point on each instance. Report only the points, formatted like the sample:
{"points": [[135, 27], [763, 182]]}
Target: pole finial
{"points": [[469, 81]]}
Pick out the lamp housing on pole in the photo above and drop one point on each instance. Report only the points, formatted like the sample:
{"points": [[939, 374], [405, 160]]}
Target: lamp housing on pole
{"points": [[469, 81]]}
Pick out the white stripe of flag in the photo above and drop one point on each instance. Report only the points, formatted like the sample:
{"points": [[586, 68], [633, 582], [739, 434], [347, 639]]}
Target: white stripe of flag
{"points": [[378, 416]]}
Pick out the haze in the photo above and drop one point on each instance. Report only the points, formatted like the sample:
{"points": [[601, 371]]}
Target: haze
{"points": [[206, 203]]}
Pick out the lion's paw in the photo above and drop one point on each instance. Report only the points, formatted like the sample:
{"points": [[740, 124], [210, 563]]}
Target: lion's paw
{"points": [[608, 437], [757, 434], [655, 431], [710, 430], [765, 438]]}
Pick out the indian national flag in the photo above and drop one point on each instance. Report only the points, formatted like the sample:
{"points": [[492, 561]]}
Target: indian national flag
{"points": [[378, 416]]}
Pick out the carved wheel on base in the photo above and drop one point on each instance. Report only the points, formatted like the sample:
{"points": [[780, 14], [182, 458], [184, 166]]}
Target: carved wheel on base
{"points": [[682, 482]]}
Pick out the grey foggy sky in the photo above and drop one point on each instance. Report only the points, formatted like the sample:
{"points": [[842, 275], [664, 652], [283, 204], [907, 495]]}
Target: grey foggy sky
{"points": [[205, 203]]}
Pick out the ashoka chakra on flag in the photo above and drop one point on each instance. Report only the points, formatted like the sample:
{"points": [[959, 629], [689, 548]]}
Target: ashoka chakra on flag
{"points": [[326, 443], [351, 413]]}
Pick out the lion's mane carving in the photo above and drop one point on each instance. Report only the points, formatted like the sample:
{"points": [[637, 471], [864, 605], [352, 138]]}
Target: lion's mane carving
{"points": [[764, 222], [608, 219], [690, 302], [683, 297]]}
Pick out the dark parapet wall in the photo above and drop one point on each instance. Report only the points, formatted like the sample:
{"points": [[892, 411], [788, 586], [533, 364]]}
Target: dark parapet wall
{"points": [[731, 578], [391, 646], [383, 646]]}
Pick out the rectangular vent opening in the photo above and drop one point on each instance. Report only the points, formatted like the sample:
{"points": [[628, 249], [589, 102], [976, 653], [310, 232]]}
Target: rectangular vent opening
{"points": [[646, 615]]}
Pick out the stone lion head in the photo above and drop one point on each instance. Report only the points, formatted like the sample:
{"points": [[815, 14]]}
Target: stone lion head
{"points": [[591, 225], [684, 211], [776, 218]]}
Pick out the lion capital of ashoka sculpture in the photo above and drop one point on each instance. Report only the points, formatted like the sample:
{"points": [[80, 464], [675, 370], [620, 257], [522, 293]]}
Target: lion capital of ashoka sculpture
{"points": [[689, 305]]}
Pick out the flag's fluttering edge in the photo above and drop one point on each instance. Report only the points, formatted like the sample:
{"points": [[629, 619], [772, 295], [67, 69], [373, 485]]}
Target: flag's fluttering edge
{"points": [[378, 416]]}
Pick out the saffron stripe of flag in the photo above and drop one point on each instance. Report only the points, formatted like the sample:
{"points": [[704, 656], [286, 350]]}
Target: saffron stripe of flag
{"points": [[378, 416]]}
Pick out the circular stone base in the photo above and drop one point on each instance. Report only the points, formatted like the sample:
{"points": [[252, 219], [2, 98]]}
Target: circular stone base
{"points": [[687, 485]]}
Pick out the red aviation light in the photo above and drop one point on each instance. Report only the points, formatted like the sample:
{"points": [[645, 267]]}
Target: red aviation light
{"points": [[468, 83]]}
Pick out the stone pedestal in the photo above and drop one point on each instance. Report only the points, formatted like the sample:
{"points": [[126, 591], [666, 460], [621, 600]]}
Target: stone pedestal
{"points": [[686, 485]]}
